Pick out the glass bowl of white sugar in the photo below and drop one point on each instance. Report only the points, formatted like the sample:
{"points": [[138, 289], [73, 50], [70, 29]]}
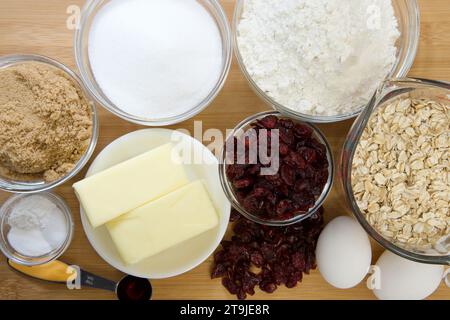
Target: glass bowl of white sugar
{"points": [[35, 228], [154, 63], [322, 60]]}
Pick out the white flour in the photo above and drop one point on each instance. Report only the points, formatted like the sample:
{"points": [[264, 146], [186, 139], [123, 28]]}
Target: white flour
{"points": [[321, 57], [37, 226], [155, 58]]}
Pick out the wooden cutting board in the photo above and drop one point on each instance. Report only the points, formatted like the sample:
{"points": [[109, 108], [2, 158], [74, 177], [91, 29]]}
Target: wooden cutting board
{"points": [[39, 27]]}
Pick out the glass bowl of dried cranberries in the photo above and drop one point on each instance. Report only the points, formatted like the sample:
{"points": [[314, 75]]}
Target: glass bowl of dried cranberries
{"points": [[276, 170]]}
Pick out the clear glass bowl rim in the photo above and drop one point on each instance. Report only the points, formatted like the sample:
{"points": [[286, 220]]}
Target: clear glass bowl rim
{"points": [[405, 66], [17, 187], [88, 12], [55, 254], [228, 190], [347, 155]]}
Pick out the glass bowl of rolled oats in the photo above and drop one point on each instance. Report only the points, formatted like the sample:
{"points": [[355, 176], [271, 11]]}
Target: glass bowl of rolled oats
{"points": [[395, 169]]}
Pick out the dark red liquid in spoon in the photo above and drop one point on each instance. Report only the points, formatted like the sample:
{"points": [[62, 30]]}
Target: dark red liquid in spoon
{"points": [[134, 289]]}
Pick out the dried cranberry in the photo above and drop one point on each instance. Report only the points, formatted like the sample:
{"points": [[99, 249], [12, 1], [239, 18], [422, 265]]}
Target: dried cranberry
{"points": [[308, 154], [252, 204], [275, 181], [235, 215], [269, 122], [284, 149], [243, 183], [302, 131], [295, 160], [257, 259], [260, 192], [268, 287], [272, 198], [288, 175], [235, 171], [313, 143], [301, 185], [264, 184], [218, 271], [298, 260], [254, 169], [284, 206], [232, 287], [304, 199], [286, 136]]}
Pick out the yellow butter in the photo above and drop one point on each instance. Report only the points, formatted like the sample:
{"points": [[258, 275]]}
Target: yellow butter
{"points": [[163, 223], [129, 185]]}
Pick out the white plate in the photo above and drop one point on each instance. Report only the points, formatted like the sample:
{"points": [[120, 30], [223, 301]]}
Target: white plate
{"points": [[185, 256]]}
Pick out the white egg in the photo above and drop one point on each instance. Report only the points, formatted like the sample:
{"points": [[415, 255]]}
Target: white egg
{"points": [[402, 279], [343, 253]]}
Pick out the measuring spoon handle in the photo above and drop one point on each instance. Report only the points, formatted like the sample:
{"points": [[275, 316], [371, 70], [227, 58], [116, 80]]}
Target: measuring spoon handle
{"points": [[91, 280]]}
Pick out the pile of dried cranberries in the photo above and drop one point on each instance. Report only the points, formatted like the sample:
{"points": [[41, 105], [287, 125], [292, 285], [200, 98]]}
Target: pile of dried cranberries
{"points": [[266, 256], [300, 179]]}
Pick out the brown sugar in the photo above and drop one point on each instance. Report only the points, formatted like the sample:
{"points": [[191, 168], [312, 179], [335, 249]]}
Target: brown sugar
{"points": [[45, 122]]}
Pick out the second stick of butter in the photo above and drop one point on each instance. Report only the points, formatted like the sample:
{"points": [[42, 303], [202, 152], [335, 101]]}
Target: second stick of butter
{"points": [[164, 223]]}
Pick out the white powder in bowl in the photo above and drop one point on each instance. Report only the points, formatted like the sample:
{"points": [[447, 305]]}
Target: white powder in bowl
{"points": [[321, 57], [37, 226], [155, 58]]}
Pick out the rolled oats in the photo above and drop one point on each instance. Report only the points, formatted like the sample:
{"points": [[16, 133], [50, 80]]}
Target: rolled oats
{"points": [[400, 175]]}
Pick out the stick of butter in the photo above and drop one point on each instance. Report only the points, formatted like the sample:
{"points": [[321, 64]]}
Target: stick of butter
{"points": [[163, 223], [131, 184]]}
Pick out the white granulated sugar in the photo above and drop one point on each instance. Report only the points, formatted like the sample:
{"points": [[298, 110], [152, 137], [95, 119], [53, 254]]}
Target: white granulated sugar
{"points": [[155, 58], [321, 57]]}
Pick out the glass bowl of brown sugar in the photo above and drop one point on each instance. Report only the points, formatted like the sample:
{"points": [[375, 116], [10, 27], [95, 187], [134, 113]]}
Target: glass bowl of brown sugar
{"points": [[49, 125]]}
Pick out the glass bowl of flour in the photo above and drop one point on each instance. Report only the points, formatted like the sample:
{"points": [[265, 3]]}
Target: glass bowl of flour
{"points": [[323, 60], [154, 63]]}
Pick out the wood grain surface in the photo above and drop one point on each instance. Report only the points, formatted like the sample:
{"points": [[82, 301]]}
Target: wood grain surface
{"points": [[39, 27]]}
